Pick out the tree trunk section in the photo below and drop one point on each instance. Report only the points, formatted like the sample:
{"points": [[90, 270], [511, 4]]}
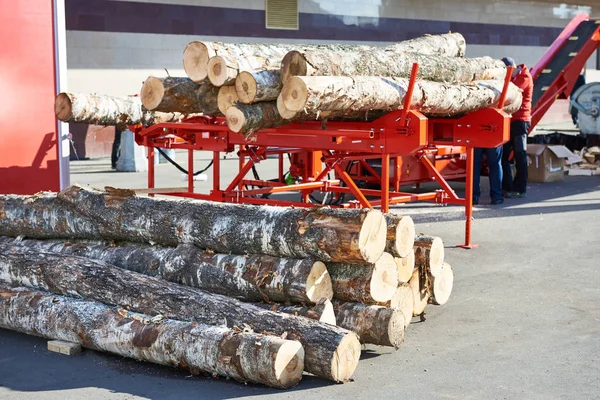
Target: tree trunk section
{"points": [[179, 95], [373, 324], [418, 283], [109, 111], [227, 98], [246, 357], [253, 87], [363, 93], [429, 254], [401, 235], [366, 283], [247, 278], [403, 300], [330, 235], [383, 62], [441, 285], [330, 352], [448, 44], [322, 312], [406, 266]]}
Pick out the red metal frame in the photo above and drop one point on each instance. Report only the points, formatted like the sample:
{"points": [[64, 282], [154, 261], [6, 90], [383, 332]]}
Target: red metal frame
{"points": [[400, 139]]}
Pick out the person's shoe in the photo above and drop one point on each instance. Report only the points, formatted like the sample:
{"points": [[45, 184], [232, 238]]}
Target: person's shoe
{"points": [[507, 195], [518, 195], [475, 201], [498, 201]]}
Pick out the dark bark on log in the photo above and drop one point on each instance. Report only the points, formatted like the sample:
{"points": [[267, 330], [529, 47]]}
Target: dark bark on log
{"points": [[246, 357], [401, 235], [330, 352], [363, 93], [253, 87], [365, 283], [109, 111], [322, 312], [180, 95], [247, 278], [337, 235], [373, 324]]}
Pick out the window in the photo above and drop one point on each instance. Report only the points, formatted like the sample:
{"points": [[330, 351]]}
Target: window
{"points": [[281, 14]]}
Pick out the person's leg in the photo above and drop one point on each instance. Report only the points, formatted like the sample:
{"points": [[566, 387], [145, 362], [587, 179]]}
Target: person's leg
{"points": [[478, 157], [507, 177], [494, 161], [115, 148], [520, 146]]}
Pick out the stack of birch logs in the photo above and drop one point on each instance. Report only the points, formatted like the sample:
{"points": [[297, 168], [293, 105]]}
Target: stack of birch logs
{"points": [[259, 86], [257, 294]]}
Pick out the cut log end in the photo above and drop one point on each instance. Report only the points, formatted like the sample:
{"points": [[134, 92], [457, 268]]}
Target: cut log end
{"points": [[318, 284], [403, 300], [235, 119], [289, 364], [152, 93], [246, 88], [405, 236], [283, 110], [436, 256], [328, 313], [63, 107], [295, 94], [384, 281], [195, 61], [226, 98], [442, 285], [372, 236], [346, 357], [396, 328], [406, 266], [293, 64], [420, 294], [217, 71]]}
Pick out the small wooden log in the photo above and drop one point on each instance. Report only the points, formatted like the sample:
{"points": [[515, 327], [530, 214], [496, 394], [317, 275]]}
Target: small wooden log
{"points": [[403, 300], [406, 266], [441, 285], [331, 235], [247, 278], [401, 235], [366, 283], [331, 352], [63, 347], [227, 98], [421, 294], [429, 254], [373, 324], [179, 95], [363, 93], [252, 87], [195, 58], [250, 118], [109, 111], [322, 311], [283, 111], [246, 357]]}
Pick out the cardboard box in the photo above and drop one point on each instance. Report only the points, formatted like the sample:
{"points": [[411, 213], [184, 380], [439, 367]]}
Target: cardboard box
{"points": [[547, 162]]}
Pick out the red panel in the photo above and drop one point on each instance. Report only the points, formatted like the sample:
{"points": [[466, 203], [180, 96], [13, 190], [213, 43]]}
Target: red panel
{"points": [[28, 128]]}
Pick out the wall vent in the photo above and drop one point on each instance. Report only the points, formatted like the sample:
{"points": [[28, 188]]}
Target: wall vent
{"points": [[281, 14]]}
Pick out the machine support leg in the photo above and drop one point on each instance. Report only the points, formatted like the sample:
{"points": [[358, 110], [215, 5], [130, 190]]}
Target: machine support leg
{"points": [[216, 171], [150, 167], [469, 200], [385, 183], [352, 186], [281, 180], [397, 173], [190, 171]]}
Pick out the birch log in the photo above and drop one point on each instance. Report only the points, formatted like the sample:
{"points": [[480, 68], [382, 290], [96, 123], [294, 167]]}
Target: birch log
{"points": [[373, 324], [252, 87], [322, 312], [429, 254], [330, 351], [246, 357], [366, 283], [401, 235], [325, 234], [247, 278], [179, 95], [441, 285], [109, 111], [363, 93], [383, 62]]}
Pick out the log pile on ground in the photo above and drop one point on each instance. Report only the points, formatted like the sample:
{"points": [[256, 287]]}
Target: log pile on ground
{"points": [[257, 294]]}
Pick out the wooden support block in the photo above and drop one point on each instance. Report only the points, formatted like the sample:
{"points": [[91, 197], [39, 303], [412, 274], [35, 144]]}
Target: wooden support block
{"points": [[62, 347]]}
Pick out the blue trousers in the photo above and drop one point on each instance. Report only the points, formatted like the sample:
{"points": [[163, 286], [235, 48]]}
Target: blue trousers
{"points": [[494, 162], [518, 144]]}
